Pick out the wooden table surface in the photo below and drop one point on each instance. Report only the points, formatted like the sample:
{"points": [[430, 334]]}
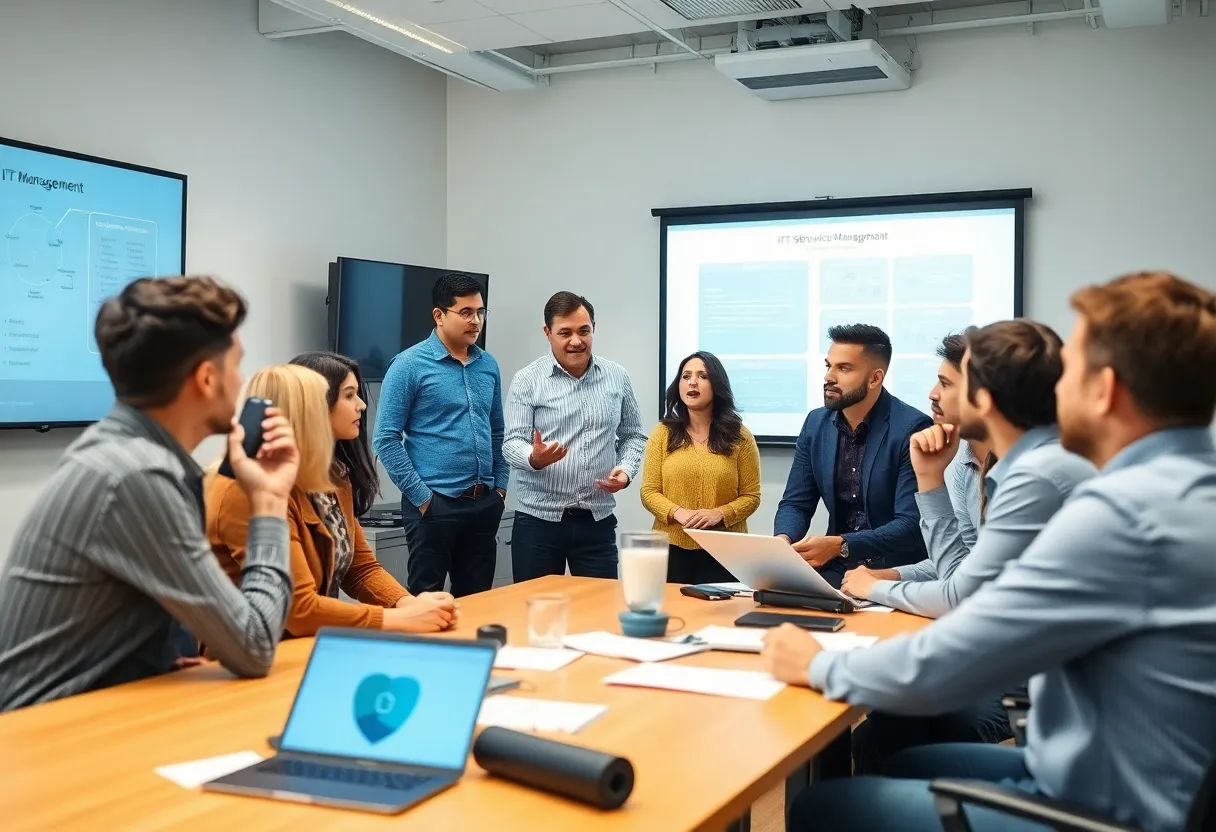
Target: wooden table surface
{"points": [[87, 762]]}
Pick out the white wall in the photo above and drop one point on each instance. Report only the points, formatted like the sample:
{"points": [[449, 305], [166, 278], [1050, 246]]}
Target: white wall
{"points": [[1113, 130], [297, 151]]}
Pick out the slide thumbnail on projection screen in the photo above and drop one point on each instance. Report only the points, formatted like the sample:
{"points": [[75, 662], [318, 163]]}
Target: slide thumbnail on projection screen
{"points": [[76, 231], [761, 290]]}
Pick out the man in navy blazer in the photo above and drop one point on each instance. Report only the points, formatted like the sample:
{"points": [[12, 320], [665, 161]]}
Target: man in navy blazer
{"points": [[853, 453]]}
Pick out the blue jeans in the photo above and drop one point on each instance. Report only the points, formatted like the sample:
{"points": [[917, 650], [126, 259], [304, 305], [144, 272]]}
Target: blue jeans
{"points": [[901, 800], [542, 547]]}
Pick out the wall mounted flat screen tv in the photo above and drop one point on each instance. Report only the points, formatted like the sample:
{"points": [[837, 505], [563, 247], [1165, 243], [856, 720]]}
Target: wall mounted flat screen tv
{"points": [[75, 230], [378, 309]]}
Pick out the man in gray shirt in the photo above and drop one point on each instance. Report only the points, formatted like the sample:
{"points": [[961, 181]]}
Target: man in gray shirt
{"points": [[113, 561], [1111, 606]]}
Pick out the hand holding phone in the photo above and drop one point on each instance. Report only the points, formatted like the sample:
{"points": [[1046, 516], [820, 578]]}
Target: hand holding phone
{"points": [[268, 474], [252, 416]]}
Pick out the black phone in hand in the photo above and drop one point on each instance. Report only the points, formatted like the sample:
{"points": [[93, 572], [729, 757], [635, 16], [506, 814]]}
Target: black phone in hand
{"points": [[252, 416]]}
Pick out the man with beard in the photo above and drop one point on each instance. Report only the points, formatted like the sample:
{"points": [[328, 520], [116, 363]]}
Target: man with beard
{"points": [[575, 437], [853, 452], [1111, 606], [113, 560], [1008, 402], [439, 434]]}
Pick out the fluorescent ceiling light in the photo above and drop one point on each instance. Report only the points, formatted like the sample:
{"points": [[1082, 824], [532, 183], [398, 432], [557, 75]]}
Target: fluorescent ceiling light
{"points": [[379, 21]]}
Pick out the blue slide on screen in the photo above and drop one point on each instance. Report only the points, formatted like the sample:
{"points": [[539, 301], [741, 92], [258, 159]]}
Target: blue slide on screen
{"points": [[378, 699], [75, 232]]}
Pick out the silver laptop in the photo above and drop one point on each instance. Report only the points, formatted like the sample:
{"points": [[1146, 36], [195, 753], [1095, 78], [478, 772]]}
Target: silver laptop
{"points": [[764, 562], [381, 721]]}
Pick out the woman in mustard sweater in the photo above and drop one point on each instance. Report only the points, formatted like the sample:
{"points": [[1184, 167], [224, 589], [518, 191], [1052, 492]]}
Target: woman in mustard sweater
{"points": [[702, 468]]}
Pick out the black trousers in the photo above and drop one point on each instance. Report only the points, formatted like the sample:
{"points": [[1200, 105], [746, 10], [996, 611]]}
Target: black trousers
{"points": [[881, 736], [544, 547], [456, 537], [695, 566]]}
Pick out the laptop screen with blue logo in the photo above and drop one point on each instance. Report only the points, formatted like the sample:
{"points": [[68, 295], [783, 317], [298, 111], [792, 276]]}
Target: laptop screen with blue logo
{"points": [[410, 702]]}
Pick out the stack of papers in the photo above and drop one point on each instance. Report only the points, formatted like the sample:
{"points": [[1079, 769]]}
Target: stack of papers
{"points": [[534, 658], [751, 639], [521, 714], [604, 643], [740, 684], [197, 772]]}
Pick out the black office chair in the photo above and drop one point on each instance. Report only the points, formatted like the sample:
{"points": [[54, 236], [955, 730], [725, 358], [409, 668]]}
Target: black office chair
{"points": [[949, 796], [1017, 705]]}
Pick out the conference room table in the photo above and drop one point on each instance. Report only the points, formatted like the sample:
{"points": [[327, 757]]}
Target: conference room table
{"points": [[87, 762]]}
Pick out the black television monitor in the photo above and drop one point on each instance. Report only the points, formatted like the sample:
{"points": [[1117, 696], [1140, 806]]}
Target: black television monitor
{"points": [[76, 229], [378, 309]]}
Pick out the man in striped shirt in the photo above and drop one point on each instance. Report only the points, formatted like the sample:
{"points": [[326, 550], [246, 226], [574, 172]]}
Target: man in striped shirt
{"points": [[574, 434], [113, 561]]}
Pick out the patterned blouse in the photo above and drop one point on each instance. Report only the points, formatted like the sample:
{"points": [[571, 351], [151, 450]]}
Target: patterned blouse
{"points": [[326, 504]]}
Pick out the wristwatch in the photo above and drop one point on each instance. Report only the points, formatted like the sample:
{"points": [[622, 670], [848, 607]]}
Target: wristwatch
{"points": [[844, 549]]}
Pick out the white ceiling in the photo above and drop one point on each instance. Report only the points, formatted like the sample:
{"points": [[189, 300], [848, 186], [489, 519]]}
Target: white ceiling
{"points": [[507, 44]]}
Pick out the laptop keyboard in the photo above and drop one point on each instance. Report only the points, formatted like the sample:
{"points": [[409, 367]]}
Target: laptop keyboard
{"points": [[344, 774]]}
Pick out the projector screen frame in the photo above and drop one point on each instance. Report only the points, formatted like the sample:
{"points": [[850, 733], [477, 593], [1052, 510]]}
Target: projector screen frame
{"points": [[43, 427], [1014, 198]]}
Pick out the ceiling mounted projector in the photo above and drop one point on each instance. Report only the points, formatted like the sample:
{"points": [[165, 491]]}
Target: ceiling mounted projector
{"points": [[845, 68]]}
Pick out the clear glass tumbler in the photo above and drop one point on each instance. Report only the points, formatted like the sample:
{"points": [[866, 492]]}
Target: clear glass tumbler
{"points": [[547, 615]]}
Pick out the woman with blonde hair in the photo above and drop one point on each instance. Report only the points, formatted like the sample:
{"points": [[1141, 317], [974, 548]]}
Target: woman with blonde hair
{"points": [[328, 548]]}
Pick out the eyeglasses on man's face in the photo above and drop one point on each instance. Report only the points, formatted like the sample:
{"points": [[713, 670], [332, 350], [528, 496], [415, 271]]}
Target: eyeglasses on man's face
{"points": [[467, 314]]}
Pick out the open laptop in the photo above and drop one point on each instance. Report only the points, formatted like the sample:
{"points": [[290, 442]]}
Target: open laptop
{"points": [[764, 562], [381, 721]]}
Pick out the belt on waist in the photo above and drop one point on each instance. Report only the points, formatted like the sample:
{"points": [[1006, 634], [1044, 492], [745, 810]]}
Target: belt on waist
{"points": [[475, 492]]}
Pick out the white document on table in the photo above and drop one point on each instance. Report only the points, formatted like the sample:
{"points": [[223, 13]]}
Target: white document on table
{"points": [[740, 684], [604, 643], [751, 639], [534, 658], [521, 714], [195, 773]]}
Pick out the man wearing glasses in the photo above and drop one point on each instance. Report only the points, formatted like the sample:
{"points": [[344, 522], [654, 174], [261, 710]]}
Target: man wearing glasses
{"points": [[439, 431], [575, 438]]}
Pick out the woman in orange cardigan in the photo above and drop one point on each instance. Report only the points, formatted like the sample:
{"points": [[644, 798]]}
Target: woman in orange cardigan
{"points": [[328, 548]]}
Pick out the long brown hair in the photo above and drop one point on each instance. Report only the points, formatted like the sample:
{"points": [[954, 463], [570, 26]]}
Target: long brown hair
{"points": [[726, 426]]}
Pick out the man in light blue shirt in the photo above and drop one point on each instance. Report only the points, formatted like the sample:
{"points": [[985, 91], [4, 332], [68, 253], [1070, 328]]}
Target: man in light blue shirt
{"points": [[439, 432], [964, 474], [1113, 605], [1007, 401], [574, 436]]}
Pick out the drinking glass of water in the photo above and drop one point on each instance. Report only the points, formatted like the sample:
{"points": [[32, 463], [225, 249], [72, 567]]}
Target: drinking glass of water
{"points": [[643, 557], [547, 614]]}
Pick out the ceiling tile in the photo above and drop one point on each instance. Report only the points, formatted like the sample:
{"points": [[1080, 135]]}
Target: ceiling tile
{"points": [[489, 33], [580, 22], [425, 12], [510, 7]]}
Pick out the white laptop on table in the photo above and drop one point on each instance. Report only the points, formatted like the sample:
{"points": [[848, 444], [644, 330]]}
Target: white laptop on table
{"points": [[769, 563]]}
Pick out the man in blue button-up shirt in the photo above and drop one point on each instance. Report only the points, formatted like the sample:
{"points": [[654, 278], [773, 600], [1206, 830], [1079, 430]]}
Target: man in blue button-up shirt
{"points": [[1113, 605], [439, 431]]}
